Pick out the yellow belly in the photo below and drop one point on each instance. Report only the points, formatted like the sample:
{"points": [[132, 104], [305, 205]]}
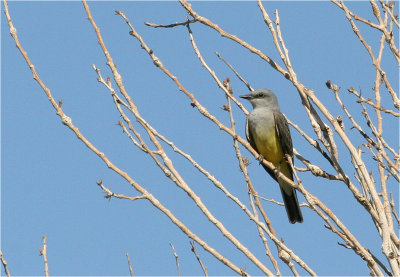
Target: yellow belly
{"points": [[269, 146]]}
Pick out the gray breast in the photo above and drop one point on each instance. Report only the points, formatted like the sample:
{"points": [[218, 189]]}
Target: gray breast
{"points": [[261, 118]]}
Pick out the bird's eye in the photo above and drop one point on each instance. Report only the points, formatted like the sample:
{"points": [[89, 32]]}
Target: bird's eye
{"points": [[260, 95]]}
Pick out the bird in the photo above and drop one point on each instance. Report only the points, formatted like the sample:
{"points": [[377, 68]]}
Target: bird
{"points": [[268, 132]]}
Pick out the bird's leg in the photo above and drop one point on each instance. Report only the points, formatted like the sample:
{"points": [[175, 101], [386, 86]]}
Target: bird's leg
{"points": [[277, 170], [260, 158], [288, 158]]}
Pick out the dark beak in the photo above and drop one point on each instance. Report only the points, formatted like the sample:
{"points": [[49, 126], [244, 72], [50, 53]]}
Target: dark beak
{"points": [[245, 96]]}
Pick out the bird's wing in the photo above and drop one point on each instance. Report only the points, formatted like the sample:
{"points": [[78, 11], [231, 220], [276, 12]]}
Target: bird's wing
{"points": [[249, 136], [283, 132], [288, 194]]}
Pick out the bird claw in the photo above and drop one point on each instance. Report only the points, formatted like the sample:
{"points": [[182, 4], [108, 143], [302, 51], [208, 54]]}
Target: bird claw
{"points": [[260, 158]]}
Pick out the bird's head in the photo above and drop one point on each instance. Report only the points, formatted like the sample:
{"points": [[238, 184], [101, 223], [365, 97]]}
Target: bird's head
{"points": [[261, 98]]}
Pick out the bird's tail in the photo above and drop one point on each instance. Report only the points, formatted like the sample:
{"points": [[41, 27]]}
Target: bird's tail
{"points": [[292, 205]]}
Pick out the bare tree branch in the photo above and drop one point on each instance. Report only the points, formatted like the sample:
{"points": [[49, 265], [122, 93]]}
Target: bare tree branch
{"points": [[203, 267], [170, 25], [176, 259], [369, 185], [5, 266], [129, 264], [43, 252]]}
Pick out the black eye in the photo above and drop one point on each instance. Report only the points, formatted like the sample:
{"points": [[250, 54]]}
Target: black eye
{"points": [[260, 95]]}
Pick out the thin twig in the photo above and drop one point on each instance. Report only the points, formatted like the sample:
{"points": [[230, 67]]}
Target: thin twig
{"points": [[311, 141], [396, 100], [389, 9], [205, 21], [5, 266], [379, 140], [381, 264], [109, 194], [394, 210], [388, 35], [377, 145], [385, 144], [314, 169], [281, 203], [176, 258], [129, 264], [203, 267], [379, 137], [43, 252], [170, 25], [371, 103], [212, 73], [234, 71]]}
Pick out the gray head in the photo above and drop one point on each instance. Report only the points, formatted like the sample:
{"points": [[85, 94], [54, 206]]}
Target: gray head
{"points": [[261, 98]]}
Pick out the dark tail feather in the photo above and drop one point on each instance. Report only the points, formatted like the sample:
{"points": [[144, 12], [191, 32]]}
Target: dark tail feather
{"points": [[292, 206]]}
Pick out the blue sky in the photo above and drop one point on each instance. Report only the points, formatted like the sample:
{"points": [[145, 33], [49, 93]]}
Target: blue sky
{"points": [[48, 181]]}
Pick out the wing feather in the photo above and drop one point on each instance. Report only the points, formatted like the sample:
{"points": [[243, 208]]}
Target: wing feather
{"points": [[283, 132]]}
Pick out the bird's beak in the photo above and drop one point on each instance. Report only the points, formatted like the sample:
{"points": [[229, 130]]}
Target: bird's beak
{"points": [[245, 96]]}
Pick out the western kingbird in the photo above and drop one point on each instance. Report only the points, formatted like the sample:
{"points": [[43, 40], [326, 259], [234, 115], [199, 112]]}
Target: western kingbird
{"points": [[268, 133]]}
